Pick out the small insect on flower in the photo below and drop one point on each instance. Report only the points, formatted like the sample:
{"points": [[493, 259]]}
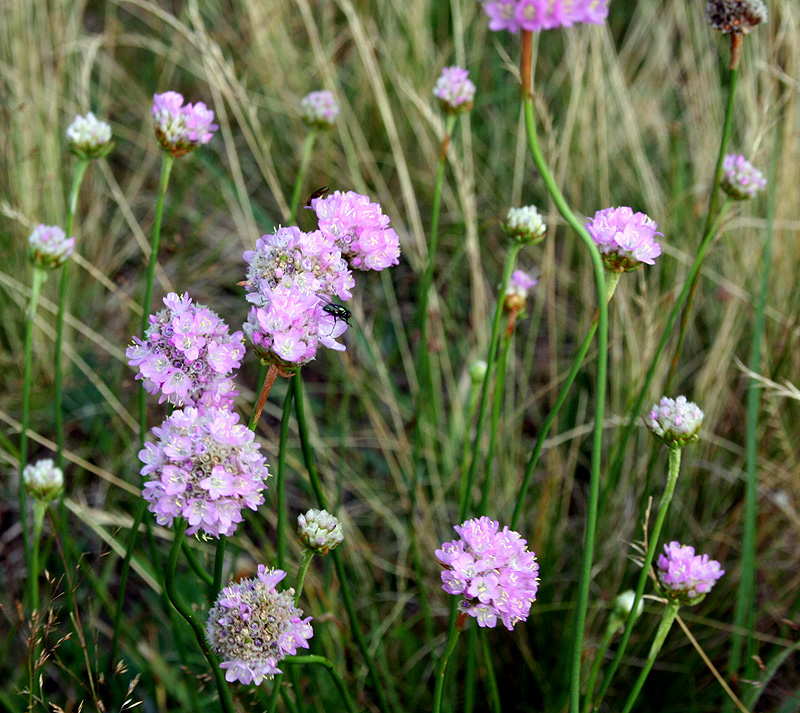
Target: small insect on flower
{"points": [[337, 311], [317, 194]]}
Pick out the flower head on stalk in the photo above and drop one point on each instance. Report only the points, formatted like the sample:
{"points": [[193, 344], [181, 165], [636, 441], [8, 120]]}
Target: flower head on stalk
{"points": [[740, 179], [49, 247], [674, 422], [684, 576], [88, 137], [360, 229], [519, 287], [319, 109], [493, 570], [319, 531], [205, 467], [735, 16], [626, 240], [537, 15], [187, 355], [525, 225], [252, 626], [181, 128], [454, 90], [43, 480]]}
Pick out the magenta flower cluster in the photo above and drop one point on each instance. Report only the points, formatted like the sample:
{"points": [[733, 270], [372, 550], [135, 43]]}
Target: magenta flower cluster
{"points": [[359, 228], [187, 355], [291, 277], [626, 240], [49, 247], [319, 109], [181, 128], [454, 90], [537, 15], [252, 626], [684, 575], [740, 179], [492, 569], [205, 467]]}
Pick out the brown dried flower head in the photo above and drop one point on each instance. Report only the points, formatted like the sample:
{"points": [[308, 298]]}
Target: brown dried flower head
{"points": [[738, 16]]}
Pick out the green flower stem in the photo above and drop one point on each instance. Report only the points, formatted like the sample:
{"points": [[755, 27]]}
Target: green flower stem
{"points": [[652, 546], [280, 485], [598, 661], [39, 509], [316, 485], [613, 281], [305, 563], [183, 609], [334, 674], [452, 639], [636, 409], [305, 158], [470, 667], [219, 565], [39, 276], [197, 566], [602, 366], [670, 612], [468, 480], [77, 179], [712, 210], [166, 168], [491, 679]]}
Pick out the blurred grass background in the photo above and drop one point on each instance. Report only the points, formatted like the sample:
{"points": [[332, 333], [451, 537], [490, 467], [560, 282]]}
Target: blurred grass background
{"points": [[630, 113]]}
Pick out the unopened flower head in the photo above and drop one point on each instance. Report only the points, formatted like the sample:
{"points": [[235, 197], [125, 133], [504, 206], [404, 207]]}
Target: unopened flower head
{"points": [[43, 480], [525, 225], [685, 576], [252, 626], [675, 422], [187, 355], [623, 603], [740, 179], [360, 229], [626, 240], [319, 109], [205, 467], [537, 15], [181, 128], [49, 247], [89, 137], [493, 571], [731, 16], [319, 531], [477, 372], [519, 287], [454, 90]]}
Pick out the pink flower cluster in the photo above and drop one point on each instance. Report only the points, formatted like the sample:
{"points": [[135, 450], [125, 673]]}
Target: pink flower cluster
{"points": [[291, 278], [493, 570], [204, 467], [537, 15], [626, 240], [360, 229], [684, 575], [181, 128], [319, 109], [454, 90], [740, 179], [252, 626], [187, 355], [49, 247]]}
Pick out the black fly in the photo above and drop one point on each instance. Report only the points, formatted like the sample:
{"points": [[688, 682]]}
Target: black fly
{"points": [[337, 311], [317, 194]]}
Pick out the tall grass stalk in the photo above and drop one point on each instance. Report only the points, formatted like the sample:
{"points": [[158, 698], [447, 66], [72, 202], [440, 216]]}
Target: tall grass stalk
{"points": [[305, 158]]}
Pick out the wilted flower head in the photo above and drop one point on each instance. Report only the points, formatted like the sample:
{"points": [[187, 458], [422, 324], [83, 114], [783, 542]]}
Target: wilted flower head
{"points": [[675, 422], [360, 229], [187, 355], [181, 128], [319, 109], [536, 15], [43, 480], [454, 90], [204, 467], [89, 137], [626, 240], [740, 16], [525, 224], [252, 626], [740, 179], [494, 571], [519, 286], [319, 531], [686, 576], [49, 247]]}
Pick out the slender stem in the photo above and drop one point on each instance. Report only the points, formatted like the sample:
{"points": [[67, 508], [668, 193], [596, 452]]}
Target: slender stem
{"points": [[36, 288], [305, 442], [305, 158], [337, 679], [280, 485], [598, 661], [197, 567], [266, 387], [219, 565], [183, 609], [470, 668], [670, 612], [305, 563], [491, 679], [672, 479], [39, 509], [452, 639], [77, 178]]}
